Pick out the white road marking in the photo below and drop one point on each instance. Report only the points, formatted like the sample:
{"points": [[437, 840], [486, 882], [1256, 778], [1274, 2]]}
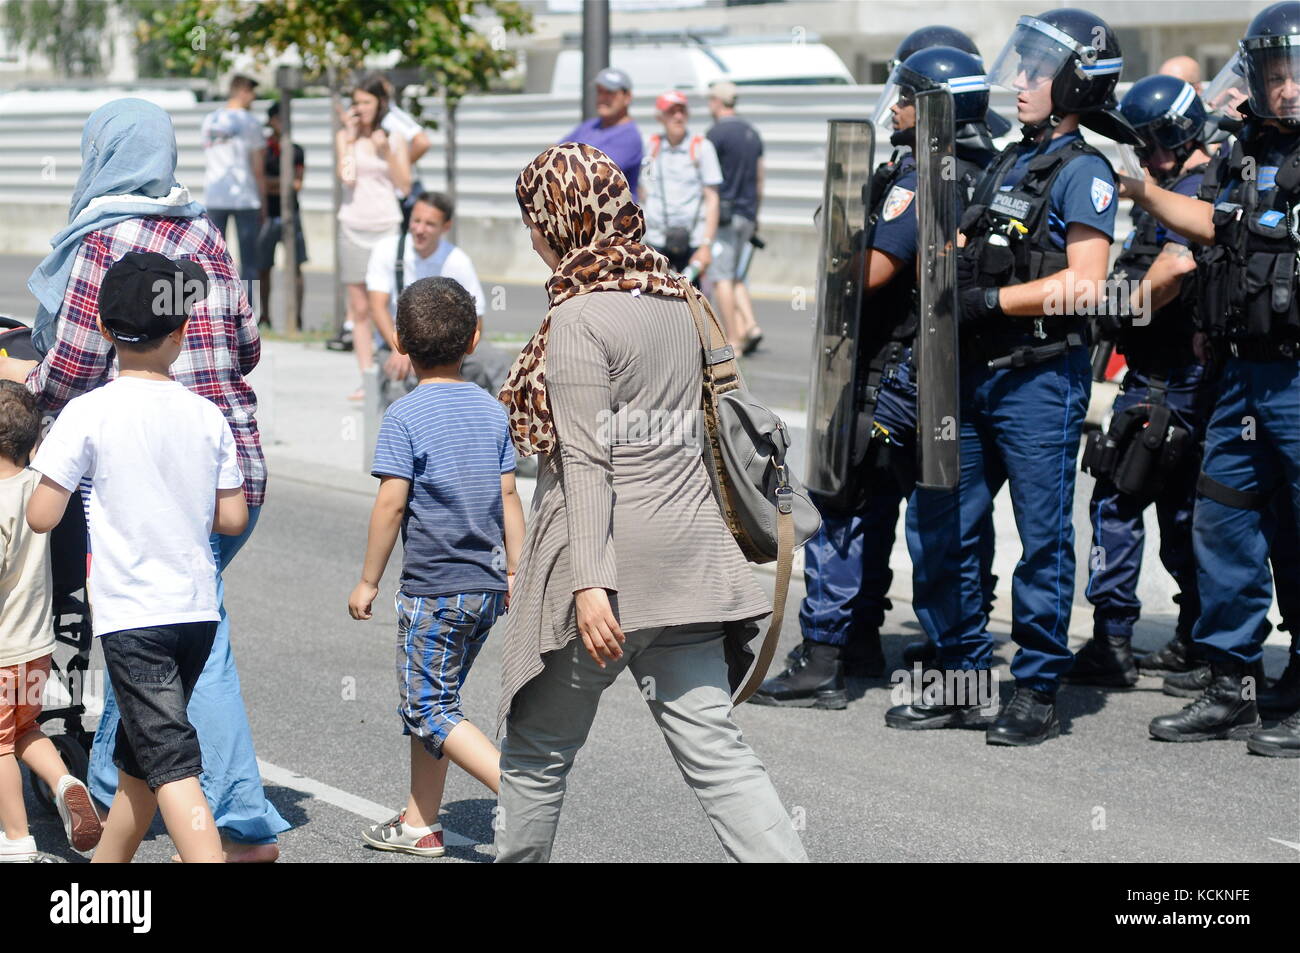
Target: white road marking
{"points": [[360, 806], [1285, 843]]}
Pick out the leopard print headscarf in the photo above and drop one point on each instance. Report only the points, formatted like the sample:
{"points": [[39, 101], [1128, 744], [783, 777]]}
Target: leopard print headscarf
{"points": [[581, 202]]}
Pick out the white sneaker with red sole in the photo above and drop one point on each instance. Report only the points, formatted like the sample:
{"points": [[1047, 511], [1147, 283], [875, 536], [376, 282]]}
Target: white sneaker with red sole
{"points": [[397, 835]]}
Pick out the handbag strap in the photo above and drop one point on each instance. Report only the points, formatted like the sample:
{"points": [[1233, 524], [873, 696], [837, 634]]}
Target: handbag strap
{"points": [[721, 374]]}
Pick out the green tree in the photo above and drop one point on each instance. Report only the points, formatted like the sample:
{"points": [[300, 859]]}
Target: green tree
{"points": [[440, 37], [67, 32]]}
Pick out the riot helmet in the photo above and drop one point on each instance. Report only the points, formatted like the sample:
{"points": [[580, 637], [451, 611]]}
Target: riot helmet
{"points": [[1167, 114], [935, 35], [1270, 53], [924, 38], [934, 68], [1075, 53]]}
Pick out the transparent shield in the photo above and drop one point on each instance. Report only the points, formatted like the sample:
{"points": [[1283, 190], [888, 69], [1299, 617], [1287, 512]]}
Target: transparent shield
{"points": [[1223, 94], [936, 356], [1129, 163], [833, 384]]}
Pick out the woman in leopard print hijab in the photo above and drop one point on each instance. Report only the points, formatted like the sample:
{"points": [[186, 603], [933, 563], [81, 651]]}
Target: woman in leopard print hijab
{"points": [[580, 203]]}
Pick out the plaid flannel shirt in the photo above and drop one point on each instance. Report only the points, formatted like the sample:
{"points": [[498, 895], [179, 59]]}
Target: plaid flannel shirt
{"points": [[221, 342]]}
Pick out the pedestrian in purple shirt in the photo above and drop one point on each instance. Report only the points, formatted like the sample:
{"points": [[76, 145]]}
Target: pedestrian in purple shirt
{"points": [[612, 131]]}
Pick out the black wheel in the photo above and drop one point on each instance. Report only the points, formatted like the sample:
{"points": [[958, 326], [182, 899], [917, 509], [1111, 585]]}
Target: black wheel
{"points": [[74, 755]]}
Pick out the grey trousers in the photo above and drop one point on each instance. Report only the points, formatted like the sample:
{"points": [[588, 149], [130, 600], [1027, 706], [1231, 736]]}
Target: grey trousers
{"points": [[683, 677]]}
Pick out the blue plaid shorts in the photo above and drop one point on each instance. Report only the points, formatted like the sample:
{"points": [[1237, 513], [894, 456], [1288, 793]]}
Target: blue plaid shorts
{"points": [[438, 638]]}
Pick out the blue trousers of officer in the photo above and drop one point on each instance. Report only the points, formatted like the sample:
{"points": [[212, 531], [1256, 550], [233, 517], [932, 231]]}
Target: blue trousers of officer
{"points": [[846, 567], [1252, 444], [1019, 426], [1118, 532]]}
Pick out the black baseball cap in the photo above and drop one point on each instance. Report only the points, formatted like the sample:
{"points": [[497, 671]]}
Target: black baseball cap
{"points": [[145, 295]]}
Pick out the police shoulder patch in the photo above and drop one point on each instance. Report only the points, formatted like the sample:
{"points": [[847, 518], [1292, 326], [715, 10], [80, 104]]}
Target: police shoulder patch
{"points": [[1103, 193], [896, 203]]}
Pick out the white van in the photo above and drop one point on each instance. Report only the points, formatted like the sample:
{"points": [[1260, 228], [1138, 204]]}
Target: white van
{"points": [[692, 67]]}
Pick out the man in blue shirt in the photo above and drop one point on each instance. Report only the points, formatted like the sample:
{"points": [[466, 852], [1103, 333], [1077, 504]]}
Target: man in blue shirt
{"points": [[1037, 237], [612, 130]]}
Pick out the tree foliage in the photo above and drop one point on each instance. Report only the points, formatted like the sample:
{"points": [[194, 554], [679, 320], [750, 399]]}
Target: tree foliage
{"points": [[68, 32], [461, 45]]}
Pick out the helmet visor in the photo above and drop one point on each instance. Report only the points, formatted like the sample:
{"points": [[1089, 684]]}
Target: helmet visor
{"points": [[895, 93], [1169, 131], [1273, 75], [1032, 57]]}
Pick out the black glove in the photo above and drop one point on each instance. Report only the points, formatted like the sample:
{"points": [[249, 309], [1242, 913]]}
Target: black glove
{"points": [[965, 272], [978, 305]]}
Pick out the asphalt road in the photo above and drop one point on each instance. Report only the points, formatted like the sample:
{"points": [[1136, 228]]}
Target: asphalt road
{"points": [[320, 690]]}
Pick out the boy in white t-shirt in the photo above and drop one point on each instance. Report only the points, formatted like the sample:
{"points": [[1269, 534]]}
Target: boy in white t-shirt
{"points": [[164, 477]]}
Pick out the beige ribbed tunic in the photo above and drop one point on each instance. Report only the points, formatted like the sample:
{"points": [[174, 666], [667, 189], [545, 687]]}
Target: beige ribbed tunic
{"points": [[625, 503]]}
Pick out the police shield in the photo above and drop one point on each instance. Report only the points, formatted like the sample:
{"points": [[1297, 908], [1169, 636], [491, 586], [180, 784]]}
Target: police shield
{"points": [[938, 416], [835, 444]]}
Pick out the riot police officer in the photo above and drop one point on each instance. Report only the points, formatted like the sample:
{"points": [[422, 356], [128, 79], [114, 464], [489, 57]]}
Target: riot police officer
{"points": [[1250, 303], [847, 564], [1152, 325], [1037, 246]]}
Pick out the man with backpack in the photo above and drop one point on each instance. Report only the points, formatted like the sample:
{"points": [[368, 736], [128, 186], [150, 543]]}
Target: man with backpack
{"points": [[680, 176]]}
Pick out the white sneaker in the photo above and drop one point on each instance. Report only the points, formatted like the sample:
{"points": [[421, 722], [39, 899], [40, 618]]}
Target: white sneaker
{"points": [[80, 822], [397, 835], [20, 851]]}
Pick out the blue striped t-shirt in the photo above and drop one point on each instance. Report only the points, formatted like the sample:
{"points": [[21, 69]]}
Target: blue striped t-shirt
{"points": [[452, 441]]}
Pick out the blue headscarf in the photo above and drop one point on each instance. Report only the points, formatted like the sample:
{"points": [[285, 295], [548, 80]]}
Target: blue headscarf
{"points": [[128, 170]]}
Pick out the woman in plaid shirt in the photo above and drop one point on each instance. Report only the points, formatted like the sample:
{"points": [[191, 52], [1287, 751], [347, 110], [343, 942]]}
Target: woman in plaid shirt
{"points": [[126, 200]]}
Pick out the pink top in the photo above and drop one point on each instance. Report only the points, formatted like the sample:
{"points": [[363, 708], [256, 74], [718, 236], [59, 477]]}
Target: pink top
{"points": [[370, 204]]}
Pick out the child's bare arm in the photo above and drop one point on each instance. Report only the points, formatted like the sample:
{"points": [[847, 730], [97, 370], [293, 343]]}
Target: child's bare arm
{"points": [[385, 523], [514, 520], [230, 518], [46, 506]]}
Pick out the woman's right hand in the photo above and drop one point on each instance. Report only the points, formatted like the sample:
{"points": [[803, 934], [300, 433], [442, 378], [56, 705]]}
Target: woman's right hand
{"points": [[600, 631]]}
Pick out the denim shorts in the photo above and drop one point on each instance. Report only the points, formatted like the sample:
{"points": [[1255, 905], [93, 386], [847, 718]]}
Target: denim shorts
{"points": [[438, 638], [153, 671]]}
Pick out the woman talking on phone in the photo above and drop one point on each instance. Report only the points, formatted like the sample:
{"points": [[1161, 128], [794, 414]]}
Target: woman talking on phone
{"points": [[373, 168]]}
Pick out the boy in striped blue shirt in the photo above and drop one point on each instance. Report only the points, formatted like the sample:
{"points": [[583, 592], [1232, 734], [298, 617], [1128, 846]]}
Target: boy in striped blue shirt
{"points": [[446, 470]]}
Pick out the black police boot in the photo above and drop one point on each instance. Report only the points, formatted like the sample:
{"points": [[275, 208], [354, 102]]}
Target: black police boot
{"points": [[1171, 658], [862, 656], [1106, 660], [1194, 682], [1221, 711], [1189, 684], [1283, 696], [815, 679], [1028, 719], [1280, 741], [924, 652], [939, 713]]}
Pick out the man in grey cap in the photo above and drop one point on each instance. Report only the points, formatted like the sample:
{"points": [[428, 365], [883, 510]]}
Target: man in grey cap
{"points": [[612, 131]]}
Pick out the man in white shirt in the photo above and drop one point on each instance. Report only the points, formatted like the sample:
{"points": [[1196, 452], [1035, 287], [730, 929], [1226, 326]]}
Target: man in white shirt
{"points": [[234, 182], [679, 183], [426, 254]]}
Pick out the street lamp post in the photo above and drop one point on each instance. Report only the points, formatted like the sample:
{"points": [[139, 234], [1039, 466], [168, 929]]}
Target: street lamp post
{"points": [[595, 50]]}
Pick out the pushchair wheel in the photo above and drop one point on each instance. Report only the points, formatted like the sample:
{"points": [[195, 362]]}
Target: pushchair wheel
{"points": [[74, 755]]}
